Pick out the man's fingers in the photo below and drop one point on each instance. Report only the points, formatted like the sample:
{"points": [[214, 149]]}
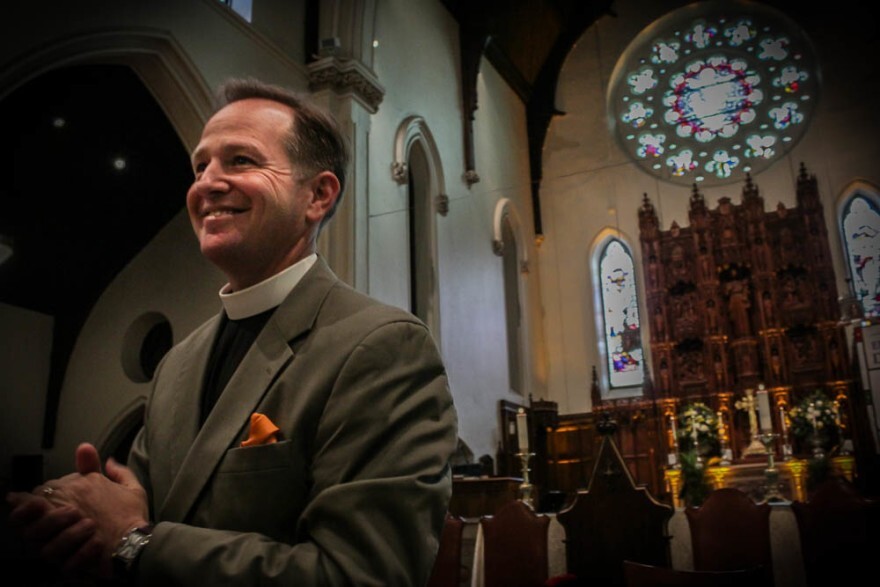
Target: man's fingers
{"points": [[121, 474], [87, 459], [26, 508], [43, 529], [67, 543]]}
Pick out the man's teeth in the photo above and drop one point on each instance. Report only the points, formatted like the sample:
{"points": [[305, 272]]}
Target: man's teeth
{"points": [[217, 213]]}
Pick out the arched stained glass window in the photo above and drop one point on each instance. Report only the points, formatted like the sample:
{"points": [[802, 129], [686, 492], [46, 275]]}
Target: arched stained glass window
{"points": [[860, 228], [620, 315], [712, 91]]}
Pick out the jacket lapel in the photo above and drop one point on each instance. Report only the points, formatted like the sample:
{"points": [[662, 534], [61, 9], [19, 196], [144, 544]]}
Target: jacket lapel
{"points": [[185, 409], [269, 355]]}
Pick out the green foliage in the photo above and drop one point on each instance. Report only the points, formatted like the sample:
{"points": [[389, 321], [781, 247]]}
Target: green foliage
{"points": [[818, 470], [694, 485]]}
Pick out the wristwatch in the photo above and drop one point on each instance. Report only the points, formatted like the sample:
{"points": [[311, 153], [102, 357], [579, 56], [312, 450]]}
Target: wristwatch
{"points": [[130, 548]]}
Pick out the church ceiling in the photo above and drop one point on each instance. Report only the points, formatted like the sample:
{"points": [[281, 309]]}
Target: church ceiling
{"points": [[527, 41]]}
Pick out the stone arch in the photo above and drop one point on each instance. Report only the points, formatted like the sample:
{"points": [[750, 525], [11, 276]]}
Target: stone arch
{"points": [[506, 227], [166, 72], [505, 208], [154, 55], [417, 165], [117, 438]]}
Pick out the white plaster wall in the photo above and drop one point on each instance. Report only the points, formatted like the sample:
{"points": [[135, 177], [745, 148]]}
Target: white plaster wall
{"points": [[586, 174], [170, 277], [25, 349], [417, 62], [501, 161]]}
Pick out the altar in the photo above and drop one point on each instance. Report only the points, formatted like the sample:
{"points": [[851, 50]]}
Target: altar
{"points": [[751, 478]]}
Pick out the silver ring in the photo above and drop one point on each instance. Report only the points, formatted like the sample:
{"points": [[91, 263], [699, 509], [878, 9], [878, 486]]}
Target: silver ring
{"points": [[48, 491]]}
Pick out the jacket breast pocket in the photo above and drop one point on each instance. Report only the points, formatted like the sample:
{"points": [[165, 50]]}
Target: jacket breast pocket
{"points": [[258, 489]]}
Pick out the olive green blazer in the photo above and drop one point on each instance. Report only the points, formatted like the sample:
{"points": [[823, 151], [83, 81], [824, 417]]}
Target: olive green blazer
{"points": [[356, 489]]}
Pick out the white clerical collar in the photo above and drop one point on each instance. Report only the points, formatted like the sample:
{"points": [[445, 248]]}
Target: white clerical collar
{"points": [[265, 295]]}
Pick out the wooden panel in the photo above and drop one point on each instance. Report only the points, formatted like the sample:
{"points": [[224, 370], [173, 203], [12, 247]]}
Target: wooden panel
{"points": [[613, 521], [475, 497]]}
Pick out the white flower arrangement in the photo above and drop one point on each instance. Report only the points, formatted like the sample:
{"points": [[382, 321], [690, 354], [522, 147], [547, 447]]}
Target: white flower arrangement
{"points": [[815, 414], [698, 421]]}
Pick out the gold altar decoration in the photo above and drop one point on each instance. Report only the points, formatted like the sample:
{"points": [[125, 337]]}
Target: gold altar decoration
{"points": [[750, 406], [672, 477], [844, 466], [750, 478], [797, 468], [718, 475]]}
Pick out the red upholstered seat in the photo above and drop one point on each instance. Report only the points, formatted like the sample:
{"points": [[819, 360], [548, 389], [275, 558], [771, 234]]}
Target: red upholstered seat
{"points": [[641, 575], [839, 532], [447, 567], [731, 532], [515, 547]]}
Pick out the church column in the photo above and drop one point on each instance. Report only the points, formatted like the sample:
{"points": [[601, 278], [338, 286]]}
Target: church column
{"points": [[341, 79]]}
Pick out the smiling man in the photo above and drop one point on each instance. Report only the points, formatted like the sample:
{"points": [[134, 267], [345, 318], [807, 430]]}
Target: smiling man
{"points": [[300, 437]]}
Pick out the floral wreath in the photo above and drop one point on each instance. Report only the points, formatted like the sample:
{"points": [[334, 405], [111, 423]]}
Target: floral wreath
{"points": [[815, 413], [701, 416]]}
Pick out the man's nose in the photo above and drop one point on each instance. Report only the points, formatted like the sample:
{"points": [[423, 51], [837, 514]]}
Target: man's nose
{"points": [[212, 179]]}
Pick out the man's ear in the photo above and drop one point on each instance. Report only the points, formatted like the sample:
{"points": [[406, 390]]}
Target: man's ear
{"points": [[325, 191]]}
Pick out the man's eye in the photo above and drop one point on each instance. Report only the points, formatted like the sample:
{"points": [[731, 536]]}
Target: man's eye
{"points": [[199, 167], [242, 160]]}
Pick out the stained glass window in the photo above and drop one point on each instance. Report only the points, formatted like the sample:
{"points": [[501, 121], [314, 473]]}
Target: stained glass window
{"points": [[620, 307], [860, 226], [712, 91]]}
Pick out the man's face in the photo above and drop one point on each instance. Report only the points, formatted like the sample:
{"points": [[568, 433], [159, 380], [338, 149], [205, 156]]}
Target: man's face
{"points": [[248, 202]]}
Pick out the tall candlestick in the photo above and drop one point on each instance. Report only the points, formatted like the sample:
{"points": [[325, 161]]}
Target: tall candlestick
{"points": [[764, 409], [522, 431]]}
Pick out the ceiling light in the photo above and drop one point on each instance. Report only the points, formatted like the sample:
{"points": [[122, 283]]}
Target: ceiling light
{"points": [[119, 163], [59, 122]]}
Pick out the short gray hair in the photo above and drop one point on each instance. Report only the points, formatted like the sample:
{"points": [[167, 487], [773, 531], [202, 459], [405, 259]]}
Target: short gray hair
{"points": [[314, 139]]}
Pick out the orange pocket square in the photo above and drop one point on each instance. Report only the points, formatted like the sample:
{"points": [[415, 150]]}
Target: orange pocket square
{"points": [[263, 431]]}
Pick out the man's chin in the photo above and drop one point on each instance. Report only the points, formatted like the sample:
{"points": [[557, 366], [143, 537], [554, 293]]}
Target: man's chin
{"points": [[219, 252]]}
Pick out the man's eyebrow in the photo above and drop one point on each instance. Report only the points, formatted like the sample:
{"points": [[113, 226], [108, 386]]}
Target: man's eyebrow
{"points": [[195, 154], [225, 147]]}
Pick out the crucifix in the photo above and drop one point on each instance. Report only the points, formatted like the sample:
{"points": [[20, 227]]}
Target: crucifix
{"points": [[750, 405]]}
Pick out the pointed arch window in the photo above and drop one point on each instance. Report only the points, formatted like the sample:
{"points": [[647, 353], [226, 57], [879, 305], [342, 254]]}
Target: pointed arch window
{"points": [[620, 325], [508, 244], [860, 233], [243, 8], [512, 306]]}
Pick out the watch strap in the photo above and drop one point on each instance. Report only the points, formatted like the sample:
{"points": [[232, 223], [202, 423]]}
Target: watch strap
{"points": [[129, 550]]}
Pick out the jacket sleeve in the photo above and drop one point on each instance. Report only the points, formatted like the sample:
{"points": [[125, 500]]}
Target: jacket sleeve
{"points": [[379, 488]]}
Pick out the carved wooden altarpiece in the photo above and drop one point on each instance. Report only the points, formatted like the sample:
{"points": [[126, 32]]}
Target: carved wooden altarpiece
{"points": [[741, 296]]}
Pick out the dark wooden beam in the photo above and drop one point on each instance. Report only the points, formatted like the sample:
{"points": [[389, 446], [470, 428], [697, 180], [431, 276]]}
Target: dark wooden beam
{"points": [[541, 106]]}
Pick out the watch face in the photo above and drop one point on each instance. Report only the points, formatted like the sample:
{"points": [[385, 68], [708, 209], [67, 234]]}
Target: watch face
{"points": [[131, 545]]}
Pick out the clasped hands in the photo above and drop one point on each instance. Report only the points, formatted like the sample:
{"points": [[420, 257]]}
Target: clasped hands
{"points": [[76, 522]]}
